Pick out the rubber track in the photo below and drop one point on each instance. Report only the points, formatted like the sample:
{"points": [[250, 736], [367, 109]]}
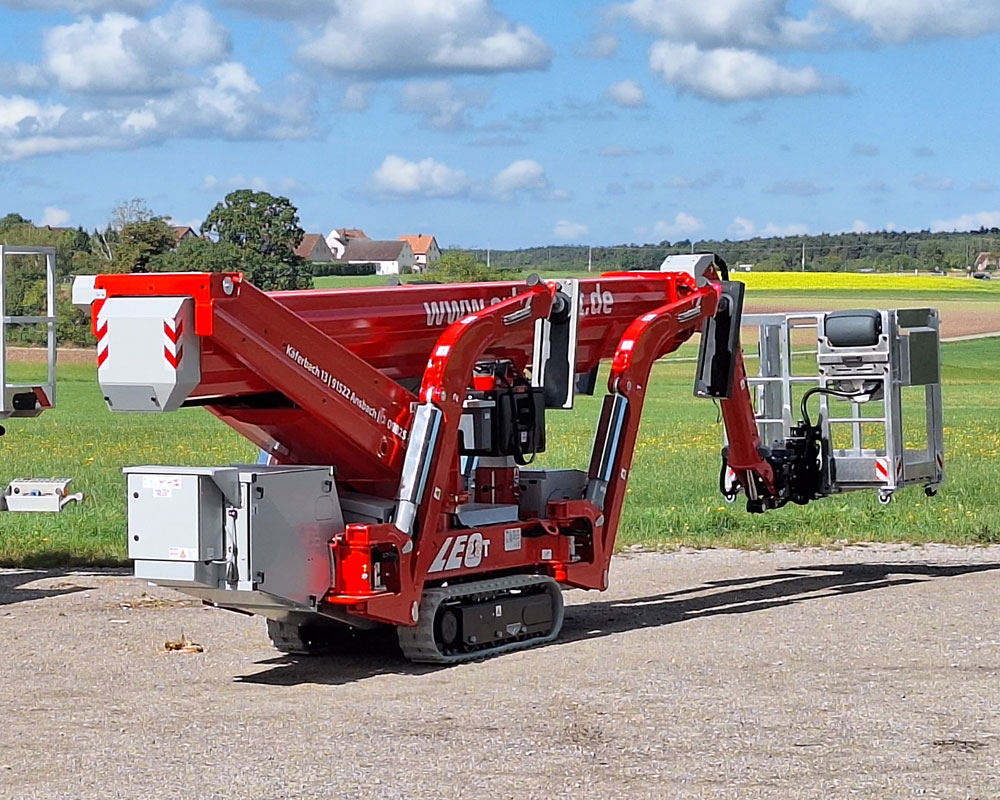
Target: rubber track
{"points": [[417, 641]]}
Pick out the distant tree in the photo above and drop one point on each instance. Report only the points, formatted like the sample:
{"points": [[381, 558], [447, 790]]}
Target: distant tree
{"points": [[256, 221], [11, 220], [204, 255], [461, 266], [127, 212], [264, 230], [932, 257], [139, 242]]}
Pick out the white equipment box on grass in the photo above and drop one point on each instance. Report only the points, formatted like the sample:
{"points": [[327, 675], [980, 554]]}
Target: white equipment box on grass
{"points": [[40, 494]]}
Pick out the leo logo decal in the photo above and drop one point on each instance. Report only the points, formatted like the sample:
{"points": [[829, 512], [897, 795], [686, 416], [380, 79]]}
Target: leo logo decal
{"points": [[466, 550]]}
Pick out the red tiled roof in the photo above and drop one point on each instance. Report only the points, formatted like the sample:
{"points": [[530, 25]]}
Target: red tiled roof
{"points": [[308, 244], [181, 231], [420, 244]]}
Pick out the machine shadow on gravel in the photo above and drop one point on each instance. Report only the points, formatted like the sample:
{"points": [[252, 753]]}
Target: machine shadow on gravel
{"points": [[12, 585], [371, 653], [746, 595], [375, 655]]}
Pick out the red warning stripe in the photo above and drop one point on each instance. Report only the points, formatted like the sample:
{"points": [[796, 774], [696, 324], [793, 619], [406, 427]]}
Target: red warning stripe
{"points": [[172, 359], [172, 334], [102, 356], [881, 470], [102, 331]]}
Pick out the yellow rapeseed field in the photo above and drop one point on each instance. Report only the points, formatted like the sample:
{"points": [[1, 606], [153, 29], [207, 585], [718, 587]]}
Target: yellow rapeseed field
{"points": [[854, 281]]}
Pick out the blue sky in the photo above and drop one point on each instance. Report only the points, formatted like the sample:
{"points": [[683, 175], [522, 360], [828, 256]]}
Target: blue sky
{"points": [[509, 123]]}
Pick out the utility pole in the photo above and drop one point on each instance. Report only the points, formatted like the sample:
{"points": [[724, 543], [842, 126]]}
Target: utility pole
{"points": [[487, 258], [590, 258], [803, 255]]}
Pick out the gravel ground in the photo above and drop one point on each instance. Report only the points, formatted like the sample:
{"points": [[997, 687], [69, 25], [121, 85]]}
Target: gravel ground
{"points": [[864, 672]]}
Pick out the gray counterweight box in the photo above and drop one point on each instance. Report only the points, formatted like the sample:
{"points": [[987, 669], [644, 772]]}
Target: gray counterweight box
{"points": [[238, 529], [178, 513]]}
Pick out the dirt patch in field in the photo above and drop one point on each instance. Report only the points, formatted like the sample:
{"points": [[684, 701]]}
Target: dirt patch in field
{"points": [[958, 318], [36, 355]]}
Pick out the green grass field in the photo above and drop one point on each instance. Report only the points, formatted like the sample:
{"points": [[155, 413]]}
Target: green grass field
{"points": [[672, 498]]}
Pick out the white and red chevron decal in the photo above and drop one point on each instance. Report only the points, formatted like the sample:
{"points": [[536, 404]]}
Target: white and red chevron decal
{"points": [[101, 331], [173, 352]]}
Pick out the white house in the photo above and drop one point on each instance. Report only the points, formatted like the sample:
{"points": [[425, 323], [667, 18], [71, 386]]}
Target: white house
{"points": [[425, 250], [389, 258], [339, 238]]}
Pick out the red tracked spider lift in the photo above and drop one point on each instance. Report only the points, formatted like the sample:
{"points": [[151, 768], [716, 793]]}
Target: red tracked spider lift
{"points": [[424, 405]]}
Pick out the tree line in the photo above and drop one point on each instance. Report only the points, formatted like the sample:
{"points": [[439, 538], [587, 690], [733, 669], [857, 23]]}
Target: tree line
{"points": [[882, 251], [250, 232]]}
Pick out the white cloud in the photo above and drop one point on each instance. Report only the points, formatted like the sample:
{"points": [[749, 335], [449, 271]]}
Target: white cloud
{"points": [[21, 113], [860, 226], [390, 38], [926, 183], [56, 217], [774, 230], [426, 178], [524, 175], [399, 177], [570, 231], [902, 20], [443, 106], [284, 186], [968, 222], [683, 225], [120, 53], [225, 103], [626, 94], [728, 74], [600, 45], [745, 23], [18, 75], [742, 228]]}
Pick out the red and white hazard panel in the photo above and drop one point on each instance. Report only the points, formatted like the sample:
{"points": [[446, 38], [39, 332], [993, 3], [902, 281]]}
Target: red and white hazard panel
{"points": [[148, 355]]}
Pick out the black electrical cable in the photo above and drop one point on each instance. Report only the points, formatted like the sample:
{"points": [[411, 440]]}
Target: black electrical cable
{"points": [[825, 390]]}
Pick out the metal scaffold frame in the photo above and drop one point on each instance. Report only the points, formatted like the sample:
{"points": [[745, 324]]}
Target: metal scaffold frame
{"points": [[28, 400]]}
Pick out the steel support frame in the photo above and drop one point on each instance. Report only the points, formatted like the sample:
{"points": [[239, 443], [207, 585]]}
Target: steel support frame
{"points": [[45, 394]]}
